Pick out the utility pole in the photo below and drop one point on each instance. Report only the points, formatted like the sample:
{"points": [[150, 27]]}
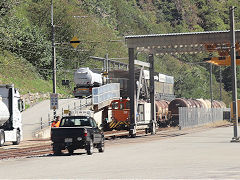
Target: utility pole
{"points": [[53, 56], [234, 79]]}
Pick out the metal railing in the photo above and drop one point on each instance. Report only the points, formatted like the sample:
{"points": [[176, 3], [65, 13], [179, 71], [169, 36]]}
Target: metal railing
{"points": [[190, 117], [105, 93], [46, 122]]}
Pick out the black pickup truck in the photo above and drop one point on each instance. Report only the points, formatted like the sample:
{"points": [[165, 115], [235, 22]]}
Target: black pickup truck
{"points": [[77, 132]]}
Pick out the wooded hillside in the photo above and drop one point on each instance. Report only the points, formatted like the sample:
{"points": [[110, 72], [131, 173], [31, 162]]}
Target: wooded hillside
{"points": [[25, 33]]}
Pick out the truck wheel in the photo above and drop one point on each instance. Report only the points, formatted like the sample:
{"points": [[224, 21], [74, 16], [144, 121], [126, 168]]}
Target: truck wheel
{"points": [[133, 135], [101, 146], [18, 138], [90, 147], [2, 138], [70, 151], [56, 150]]}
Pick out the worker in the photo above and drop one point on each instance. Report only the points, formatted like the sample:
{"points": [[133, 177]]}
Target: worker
{"points": [[56, 123]]}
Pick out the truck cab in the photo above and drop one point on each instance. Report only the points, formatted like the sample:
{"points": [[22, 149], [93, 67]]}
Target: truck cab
{"points": [[10, 116]]}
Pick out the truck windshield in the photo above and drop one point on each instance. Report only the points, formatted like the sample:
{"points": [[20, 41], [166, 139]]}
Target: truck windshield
{"points": [[75, 121]]}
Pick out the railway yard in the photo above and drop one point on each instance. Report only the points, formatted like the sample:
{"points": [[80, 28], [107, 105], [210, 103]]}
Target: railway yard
{"points": [[42, 147], [122, 118], [156, 139], [202, 152]]}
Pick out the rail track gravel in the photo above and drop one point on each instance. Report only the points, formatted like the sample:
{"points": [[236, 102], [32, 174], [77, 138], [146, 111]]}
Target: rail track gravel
{"points": [[43, 147]]}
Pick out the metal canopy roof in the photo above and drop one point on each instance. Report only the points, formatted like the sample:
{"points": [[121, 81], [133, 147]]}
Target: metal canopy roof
{"points": [[179, 43]]}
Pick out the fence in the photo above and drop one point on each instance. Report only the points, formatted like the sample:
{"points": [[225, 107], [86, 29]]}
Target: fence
{"points": [[189, 117]]}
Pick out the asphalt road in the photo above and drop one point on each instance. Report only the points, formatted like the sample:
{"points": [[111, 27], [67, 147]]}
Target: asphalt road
{"points": [[31, 118], [207, 154]]}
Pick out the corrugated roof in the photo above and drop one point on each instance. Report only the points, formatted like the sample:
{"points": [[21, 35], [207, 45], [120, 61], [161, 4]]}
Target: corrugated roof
{"points": [[179, 43], [177, 34]]}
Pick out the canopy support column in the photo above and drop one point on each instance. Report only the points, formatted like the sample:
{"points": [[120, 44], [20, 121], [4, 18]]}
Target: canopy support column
{"points": [[132, 93]]}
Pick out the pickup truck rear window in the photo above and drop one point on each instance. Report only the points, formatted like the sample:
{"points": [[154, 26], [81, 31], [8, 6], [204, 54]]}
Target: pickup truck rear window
{"points": [[75, 122]]}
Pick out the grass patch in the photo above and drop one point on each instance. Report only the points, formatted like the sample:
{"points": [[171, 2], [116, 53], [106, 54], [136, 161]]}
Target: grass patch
{"points": [[18, 71]]}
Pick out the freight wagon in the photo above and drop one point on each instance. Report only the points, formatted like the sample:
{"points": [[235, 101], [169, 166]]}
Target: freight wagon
{"points": [[181, 102], [167, 113]]}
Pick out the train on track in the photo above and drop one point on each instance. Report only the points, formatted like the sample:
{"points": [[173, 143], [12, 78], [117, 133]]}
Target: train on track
{"points": [[167, 113], [166, 105], [85, 79]]}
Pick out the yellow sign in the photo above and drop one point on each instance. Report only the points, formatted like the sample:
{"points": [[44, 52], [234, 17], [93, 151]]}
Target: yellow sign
{"points": [[66, 111], [75, 42]]}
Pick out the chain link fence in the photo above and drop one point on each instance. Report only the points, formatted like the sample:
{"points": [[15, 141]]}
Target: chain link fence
{"points": [[190, 117]]}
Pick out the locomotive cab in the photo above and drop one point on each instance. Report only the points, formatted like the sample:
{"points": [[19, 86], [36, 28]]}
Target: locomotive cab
{"points": [[120, 114]]}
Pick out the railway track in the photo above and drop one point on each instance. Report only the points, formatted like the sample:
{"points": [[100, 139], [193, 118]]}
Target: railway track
{"points": [[41, 148], [25, 152]]}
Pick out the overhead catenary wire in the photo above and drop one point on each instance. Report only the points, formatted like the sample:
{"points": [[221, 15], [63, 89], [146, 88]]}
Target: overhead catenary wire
{"points": [[46, 45], [40, 53], [7, 43], [39, 69], [63, 43], [20, 49]]}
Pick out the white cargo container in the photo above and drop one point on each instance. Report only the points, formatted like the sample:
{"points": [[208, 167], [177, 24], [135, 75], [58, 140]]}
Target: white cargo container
{"points": [[85, 80], [85, 77]]}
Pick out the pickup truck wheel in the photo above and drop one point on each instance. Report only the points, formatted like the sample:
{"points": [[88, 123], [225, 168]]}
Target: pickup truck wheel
{"points": [[18, 138], [70, 151], [2, 139], [90, 147], [101, 146], [56, 151]]}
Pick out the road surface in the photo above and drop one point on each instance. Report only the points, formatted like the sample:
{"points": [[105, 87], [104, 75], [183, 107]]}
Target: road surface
{"points": [[206, 154], [31, 118]]}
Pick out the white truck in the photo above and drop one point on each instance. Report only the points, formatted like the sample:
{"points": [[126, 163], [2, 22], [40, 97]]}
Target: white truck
{"points": [[85, 80], [11, 107]]}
